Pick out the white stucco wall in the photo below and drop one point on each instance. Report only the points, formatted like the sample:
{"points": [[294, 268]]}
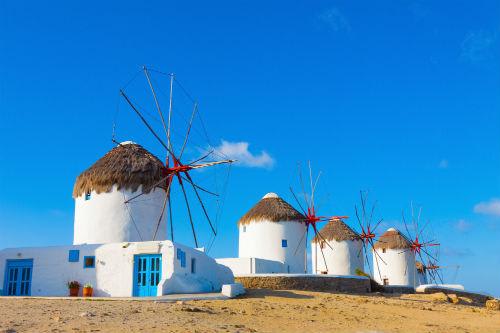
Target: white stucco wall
{"points": [[341, 259], [113, 272], [106, 218], [262, 239], [399, 267], [246, 266]]}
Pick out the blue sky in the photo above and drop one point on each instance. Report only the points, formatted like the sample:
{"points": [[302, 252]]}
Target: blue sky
{"points": [[400, 98]]}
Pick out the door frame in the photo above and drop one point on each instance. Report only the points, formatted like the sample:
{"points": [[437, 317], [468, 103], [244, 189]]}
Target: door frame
{"points": [[29, 263], [135, 290]]}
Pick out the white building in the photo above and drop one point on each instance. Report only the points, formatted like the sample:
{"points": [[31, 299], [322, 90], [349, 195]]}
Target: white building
{"points": [[114, 249], [393, 261], [271, 239], [342, 250]]}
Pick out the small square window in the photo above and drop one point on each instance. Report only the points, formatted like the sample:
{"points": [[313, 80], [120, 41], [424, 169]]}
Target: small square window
{"points": [[87, 195], [193, 265], [89, 262], [74, 255], [284, 243], [244, 228]]}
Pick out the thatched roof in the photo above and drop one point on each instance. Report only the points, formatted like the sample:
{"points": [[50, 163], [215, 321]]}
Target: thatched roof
{"points": [[337, 230], [392, 239], [271, 208], [127, 166]]}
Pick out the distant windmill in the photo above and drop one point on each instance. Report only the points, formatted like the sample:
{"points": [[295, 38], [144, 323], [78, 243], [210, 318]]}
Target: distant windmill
{"points": [[368, 225], [419, 246], [308, 209]]}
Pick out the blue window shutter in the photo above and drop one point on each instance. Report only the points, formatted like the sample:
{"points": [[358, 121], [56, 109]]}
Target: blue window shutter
{"points": [[89, 262], [179, 254], [284, 243], [193, 265], [74, 255], [183, 259]]}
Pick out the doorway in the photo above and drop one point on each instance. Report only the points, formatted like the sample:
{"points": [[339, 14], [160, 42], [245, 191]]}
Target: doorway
{"points": [[18, 274], [147, 274]]}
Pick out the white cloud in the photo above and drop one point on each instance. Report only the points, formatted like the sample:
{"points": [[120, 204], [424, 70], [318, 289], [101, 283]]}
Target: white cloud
{"points": [[335, 20], [491, 207], [443, 164], [478, 47], [462, 225], [239, 151]]}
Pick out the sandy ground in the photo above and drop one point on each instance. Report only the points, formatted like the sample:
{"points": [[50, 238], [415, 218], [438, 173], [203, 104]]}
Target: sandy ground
{"points": [[258, 311]]}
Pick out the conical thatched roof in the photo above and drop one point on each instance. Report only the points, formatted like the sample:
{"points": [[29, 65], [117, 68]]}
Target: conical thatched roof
{"points": [[128, 166], [271, 208], [392, 239], [337, 230]]}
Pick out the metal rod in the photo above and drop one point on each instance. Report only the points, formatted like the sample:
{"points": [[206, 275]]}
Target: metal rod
{"points": [[146, 72]]}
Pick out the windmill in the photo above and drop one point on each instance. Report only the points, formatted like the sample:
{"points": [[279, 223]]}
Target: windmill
{"points": [[308, 209], [368, 229], [178, 169], [419, 246]]}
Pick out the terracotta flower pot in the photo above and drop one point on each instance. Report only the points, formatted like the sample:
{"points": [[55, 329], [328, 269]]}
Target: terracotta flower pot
{"points": [[87, 292], [73, 292]]}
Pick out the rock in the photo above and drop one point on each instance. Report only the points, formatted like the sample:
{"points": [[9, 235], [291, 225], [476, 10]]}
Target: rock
{"points": [[56, 319], [439, 298], [493, 304], [86, 314], [452, 298]]}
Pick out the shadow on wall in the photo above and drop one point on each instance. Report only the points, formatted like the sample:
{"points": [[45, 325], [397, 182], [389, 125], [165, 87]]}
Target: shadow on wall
{"points": [[263, 293]]}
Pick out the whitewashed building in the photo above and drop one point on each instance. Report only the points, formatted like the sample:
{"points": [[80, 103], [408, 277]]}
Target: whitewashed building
{"points": [[271, 239], [393, 261], [339, 247], [118, 247]]}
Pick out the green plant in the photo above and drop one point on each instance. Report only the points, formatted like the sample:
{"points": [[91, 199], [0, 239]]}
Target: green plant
{"points": [[87, 285], [73, 284], [359, 272]]}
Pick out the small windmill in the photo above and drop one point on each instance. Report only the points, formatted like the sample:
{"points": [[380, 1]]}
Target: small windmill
{"points": [[176, 170], [308, 209], [420, 247], [368, 229]]}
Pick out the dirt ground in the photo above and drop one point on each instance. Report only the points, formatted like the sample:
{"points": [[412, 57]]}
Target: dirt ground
{"points": [[258, 311]]}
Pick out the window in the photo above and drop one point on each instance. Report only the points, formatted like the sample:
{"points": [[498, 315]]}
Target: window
{"points": [[284, 243], [386, 282], [89, 262], [87, 195], [383, 250], [244, 228], [179, 254], [74, 255], [183, 259], [193, 265]]}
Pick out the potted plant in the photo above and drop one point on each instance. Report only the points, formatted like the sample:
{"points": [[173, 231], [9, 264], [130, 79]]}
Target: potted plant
{"points": [[74, 288], [87, 290]]}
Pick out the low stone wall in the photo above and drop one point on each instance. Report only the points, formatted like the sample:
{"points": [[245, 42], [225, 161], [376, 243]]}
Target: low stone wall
{"points": [[475, 297], [306, 282], [397, 290]]}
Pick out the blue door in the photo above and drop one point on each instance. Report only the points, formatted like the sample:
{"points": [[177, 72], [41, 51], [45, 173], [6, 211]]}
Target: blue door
{"points": [[17, 281], [147, 274]]}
